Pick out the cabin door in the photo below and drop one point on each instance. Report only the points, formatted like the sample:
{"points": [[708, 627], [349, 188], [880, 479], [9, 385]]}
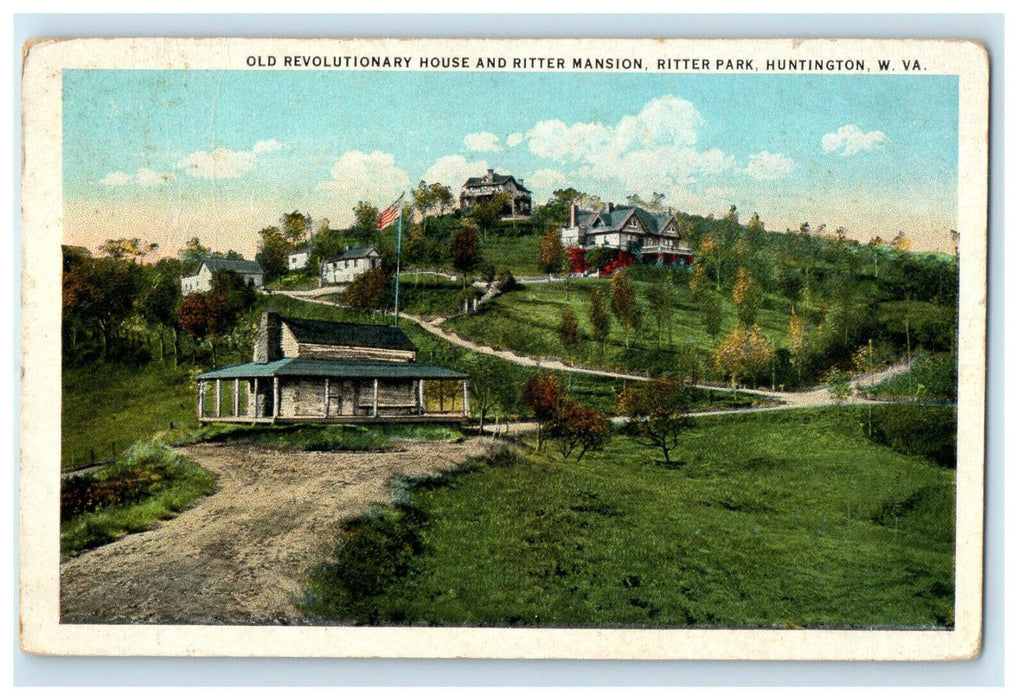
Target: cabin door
{"points": [[346, 399]]}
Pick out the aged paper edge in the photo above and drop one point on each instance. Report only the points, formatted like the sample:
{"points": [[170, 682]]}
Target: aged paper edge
{"points": [[39, 626]]}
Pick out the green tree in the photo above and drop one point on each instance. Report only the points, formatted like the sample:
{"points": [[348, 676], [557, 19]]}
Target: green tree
{"points": [[273, 254], [487, 212], [755, 225], [296, 228], [193, 254], [370, 291], [365, 228], [598, 257], [464, 248], [662, 296]]}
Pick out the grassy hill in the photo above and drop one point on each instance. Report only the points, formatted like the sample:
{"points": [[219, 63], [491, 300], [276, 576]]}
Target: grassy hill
{"points": [[788, 519]]}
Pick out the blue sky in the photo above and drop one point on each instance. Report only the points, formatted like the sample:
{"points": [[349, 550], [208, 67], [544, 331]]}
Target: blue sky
{"points": [[166, 155]]}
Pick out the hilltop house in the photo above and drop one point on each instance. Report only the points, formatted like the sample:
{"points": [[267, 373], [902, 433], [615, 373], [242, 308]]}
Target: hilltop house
{"points": [[297, 259], [330, 372], [202, 279], [352, 263], [634, 233], [478, 189]]}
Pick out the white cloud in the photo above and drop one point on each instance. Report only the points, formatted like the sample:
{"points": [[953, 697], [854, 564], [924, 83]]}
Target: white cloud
{"points": [[481, 141], [144, 177], [514, 139], [768, 166], [372, 177], [852, 140], [454, 170], [116, 179], [268, 146], [150, 178], [653, 150], [225, 164], [545, 180]]}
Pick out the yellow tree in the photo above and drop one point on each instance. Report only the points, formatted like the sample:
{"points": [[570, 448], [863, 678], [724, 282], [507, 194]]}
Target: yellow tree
{"points": [[745, 297], [743, 353]]}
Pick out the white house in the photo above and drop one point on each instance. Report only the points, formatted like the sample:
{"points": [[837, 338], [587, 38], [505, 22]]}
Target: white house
{"points": [[202, 280], [297, 259], [352, 263]]}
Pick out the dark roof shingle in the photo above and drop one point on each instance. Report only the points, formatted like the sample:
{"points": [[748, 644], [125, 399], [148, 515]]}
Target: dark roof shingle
{"points": [[363, 335]]}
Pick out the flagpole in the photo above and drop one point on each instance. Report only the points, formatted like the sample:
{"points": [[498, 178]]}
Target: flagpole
{"points": [[398, 255]]}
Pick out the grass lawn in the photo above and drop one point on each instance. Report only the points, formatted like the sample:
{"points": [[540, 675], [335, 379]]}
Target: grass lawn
{"points": [[517, 254], [105, 403], [528, 321], [146, 484], [790, 519]]}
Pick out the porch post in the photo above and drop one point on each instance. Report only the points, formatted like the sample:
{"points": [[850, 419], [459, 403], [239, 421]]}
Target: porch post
{"points": [[235, 397], [327, 381], [375, 397], [217, 397], [420, 407], [250, 397], [274, 405], [200, 385], [466, 398]]}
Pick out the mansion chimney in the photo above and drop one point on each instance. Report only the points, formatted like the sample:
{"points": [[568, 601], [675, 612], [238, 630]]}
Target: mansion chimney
{"points": [[267, 346], [573, 215], [491, 175]]}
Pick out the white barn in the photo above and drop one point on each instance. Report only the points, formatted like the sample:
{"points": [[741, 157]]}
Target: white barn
{"points": [[297, 259]]}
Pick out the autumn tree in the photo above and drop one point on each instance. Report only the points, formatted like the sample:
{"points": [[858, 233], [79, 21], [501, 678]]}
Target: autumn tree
{"points": [[743, 353], [660, 412], [797, 342], [579, 427], [551, 255], [598, 313], [755, 224], [369, 291], [544, 395], [713, 255], [624, 304], [746, 297], [731, 216], [709, 304], [569, 332]]}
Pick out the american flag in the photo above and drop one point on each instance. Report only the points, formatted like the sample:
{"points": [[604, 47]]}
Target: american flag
{"points": [[388, 216]]}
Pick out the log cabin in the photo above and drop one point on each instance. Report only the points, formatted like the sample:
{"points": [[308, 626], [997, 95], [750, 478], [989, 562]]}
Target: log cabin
{"points": [[331, 372]]}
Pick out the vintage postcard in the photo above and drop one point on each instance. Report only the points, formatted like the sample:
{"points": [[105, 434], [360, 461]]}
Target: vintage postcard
{"points": [[503, 348]]}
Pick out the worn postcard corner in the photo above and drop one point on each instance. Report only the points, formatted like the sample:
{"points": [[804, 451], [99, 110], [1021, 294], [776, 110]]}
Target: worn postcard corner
{"points": [[624, 349]]}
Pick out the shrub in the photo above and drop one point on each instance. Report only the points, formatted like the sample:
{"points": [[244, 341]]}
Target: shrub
{"points": [[926, 431]]}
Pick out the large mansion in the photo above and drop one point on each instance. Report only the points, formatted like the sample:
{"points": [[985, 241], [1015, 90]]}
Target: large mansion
{"points": [[637, 235]]}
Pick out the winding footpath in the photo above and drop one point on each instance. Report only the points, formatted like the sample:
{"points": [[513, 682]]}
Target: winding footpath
{"points": [[814, 397]]}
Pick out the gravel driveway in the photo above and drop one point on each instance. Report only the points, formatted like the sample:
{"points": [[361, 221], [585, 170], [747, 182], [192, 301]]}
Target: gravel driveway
{"points": [[241, 555]]}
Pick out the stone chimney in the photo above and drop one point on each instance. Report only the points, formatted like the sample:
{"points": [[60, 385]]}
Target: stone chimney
{"points": [[267, 346], [491, 175], [573, 215], [609, 206]]}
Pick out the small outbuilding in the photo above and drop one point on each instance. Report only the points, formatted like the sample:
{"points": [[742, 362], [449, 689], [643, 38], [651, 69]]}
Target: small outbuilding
{"points": [[352, 263], [331, 372]]}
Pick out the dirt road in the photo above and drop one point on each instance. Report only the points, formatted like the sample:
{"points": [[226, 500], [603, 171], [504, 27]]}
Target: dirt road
{"points": [[241, 555]]}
